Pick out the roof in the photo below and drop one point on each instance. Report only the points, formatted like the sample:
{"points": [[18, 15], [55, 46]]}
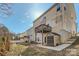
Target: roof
{"points": [[44, 28], [29, 29], [55, 33], [3, 27], [46, 11]]}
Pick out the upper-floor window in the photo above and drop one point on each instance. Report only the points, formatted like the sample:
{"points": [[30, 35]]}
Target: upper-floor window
{"points": [[64, 6], [58, 7], [43, 21]]}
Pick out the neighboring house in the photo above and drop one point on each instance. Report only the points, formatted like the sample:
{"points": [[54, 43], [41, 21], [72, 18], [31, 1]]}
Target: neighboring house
{"points": [[22, 36], [30, 33], [54, 27]]}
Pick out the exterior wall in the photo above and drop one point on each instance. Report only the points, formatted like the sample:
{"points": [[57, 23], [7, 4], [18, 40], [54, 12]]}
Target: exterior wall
{"points": [[65, 35], [52, 17], [69, 18], [56, 40], [62, 21], [39, 38], [22, 35], [30, 33]]}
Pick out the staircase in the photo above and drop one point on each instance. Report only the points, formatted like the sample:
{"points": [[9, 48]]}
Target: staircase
{"points": [[71, 40]]}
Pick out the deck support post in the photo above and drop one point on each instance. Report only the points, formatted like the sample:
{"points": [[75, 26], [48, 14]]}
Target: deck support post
{"points": [[42, 35]]}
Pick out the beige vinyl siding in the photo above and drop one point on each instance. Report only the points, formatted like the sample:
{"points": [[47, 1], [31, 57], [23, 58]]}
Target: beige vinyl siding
{"points": [[59, 21]]}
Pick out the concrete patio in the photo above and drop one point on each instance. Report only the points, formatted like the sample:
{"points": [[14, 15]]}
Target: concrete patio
{"points": [[57, 48]]}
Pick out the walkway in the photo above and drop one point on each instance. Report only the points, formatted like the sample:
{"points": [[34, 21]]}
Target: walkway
{"points": [[57, 48], [60, 47], [17, 41]]}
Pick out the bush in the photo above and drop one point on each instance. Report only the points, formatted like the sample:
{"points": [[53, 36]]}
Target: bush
{"points": [[24, 43], [33, 42]]}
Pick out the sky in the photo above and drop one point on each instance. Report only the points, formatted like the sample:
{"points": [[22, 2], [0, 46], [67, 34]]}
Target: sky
{"points": [[23, 15]]}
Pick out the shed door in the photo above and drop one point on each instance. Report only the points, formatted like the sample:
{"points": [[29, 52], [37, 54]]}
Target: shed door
{"points": [[50, 40]]}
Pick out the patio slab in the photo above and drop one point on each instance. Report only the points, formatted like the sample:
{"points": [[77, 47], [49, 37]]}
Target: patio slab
{"points": [[57, 48]]}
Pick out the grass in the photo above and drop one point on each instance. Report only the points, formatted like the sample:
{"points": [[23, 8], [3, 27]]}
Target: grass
{"points": [[24, 43], [75, 43], [16, 49], [38, 51], [31, 51]]}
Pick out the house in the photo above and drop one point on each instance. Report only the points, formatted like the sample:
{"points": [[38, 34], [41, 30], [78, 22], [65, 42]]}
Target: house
{"points": [[22, 36], [55, 26], [30, 34]]}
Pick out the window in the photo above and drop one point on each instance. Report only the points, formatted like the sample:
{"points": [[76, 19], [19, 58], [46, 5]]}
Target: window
{"points": [[48, 24], [38, 39], [58, 7], [3, 39], [64, 6], [44, 17], [43, 21], [45, 39]]}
